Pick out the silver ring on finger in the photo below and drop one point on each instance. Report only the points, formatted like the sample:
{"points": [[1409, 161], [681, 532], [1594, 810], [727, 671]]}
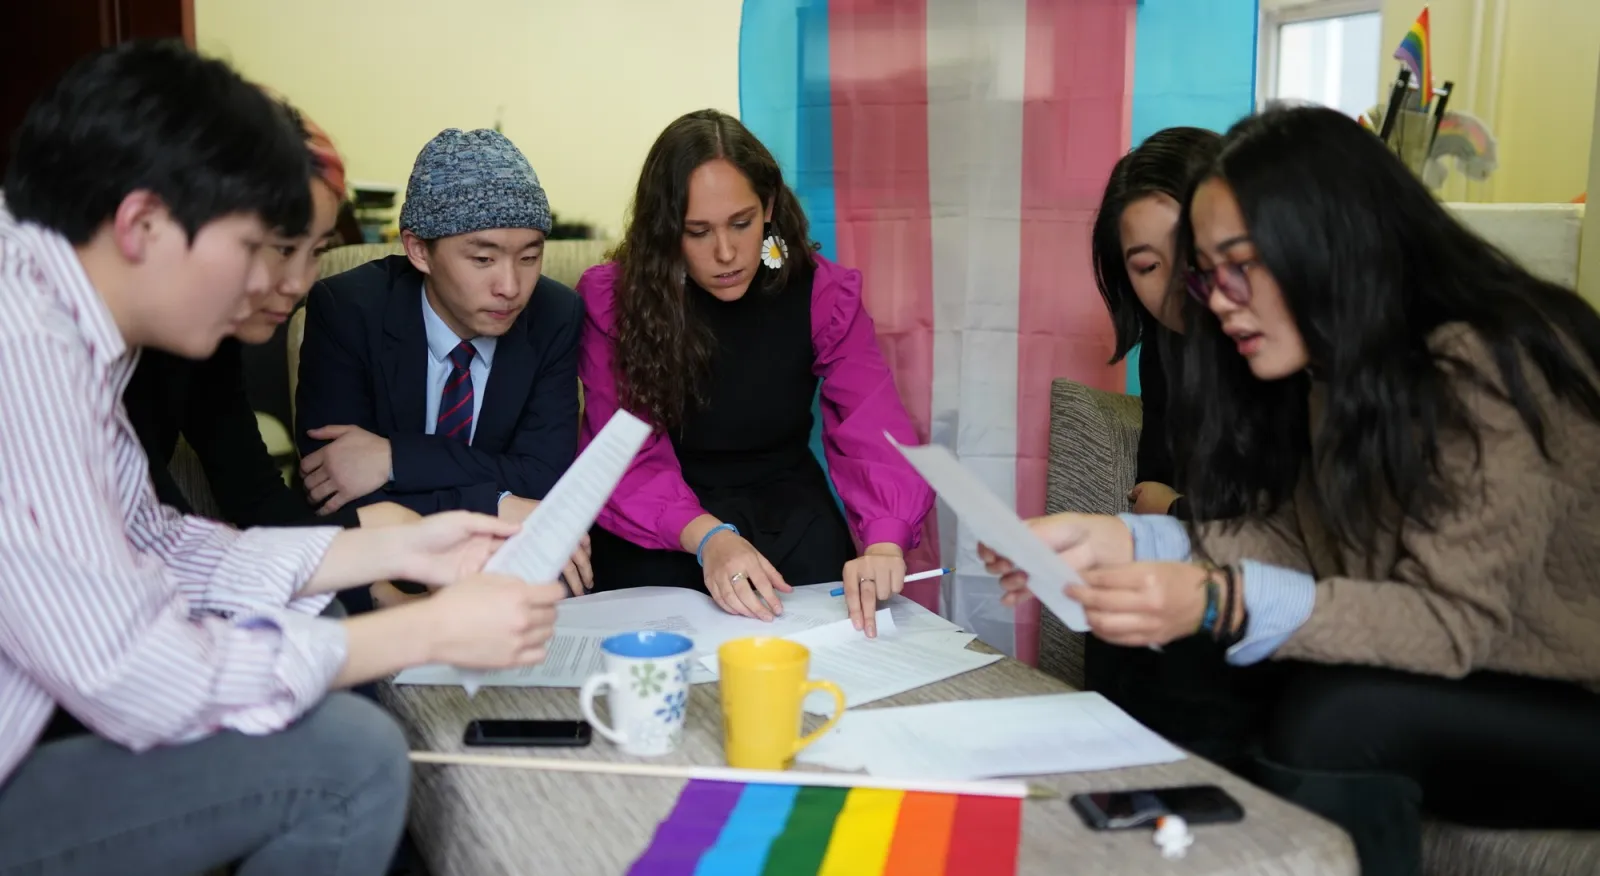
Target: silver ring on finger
{"points": [[866, 580], [736, 577]]}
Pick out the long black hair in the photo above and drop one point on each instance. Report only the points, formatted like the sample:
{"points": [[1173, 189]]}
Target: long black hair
{"points": [[1166, 163], [661, 352], [1370, 264]]}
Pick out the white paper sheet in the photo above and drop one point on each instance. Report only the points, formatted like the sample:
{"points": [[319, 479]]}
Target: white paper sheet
{"points": [[909, 617], [873, 669], [582, 622], [830, 635], [541, 549], [999, 527], [980, 739], [868, 670], [571, 657], [544, 544]]}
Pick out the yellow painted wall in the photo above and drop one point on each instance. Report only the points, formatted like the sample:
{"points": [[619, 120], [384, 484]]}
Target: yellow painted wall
{"points": [[581, 86], [1541, 113], [1589, 242]]}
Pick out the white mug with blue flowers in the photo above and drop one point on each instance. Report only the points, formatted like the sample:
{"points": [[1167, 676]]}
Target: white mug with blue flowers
{"points": [[647, 684]]}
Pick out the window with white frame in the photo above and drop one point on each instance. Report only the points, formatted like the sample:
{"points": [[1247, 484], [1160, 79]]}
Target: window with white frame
{"points": [[1326, 51]]}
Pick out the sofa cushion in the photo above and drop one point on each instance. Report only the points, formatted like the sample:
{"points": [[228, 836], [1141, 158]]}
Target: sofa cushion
{"points": [[1453, 850], [1094, 440]]}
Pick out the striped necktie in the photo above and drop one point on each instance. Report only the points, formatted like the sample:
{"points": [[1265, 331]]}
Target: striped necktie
{"points": [[455, 403]]}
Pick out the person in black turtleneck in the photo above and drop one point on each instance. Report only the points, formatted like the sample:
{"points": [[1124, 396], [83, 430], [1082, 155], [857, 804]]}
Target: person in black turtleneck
{"points": [[1187, 692]]}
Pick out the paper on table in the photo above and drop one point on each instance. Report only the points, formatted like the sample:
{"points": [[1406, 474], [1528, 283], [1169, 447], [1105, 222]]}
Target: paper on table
{"points": [[685, 611], [583, 622], [549, 535], [972, 739], [909, 617], [868, 670], [571, 657], [832, 635], [872, 669], [999, 527]]}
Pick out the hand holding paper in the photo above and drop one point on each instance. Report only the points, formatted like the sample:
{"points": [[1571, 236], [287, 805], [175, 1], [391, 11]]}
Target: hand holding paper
{"points": [[1082, 541], [552, 531], [1000, 528]]}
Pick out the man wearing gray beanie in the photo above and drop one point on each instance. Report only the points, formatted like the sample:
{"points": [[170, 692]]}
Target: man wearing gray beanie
{"points": [[446, 378]]}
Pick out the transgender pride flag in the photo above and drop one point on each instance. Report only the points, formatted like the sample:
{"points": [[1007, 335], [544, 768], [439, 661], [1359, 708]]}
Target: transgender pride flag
{"points": [[955, 152]]}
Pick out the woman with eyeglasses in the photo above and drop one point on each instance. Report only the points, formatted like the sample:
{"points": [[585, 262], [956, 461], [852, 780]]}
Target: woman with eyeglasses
{"points": [[1184, 692], [1410, 419]]}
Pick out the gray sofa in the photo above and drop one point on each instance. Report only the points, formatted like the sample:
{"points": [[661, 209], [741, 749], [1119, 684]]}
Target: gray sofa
{"points": [[1094, 436]]}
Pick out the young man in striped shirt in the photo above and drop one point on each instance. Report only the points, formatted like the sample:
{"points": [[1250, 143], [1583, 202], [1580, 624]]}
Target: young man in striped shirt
{"points": [[164, 680]]}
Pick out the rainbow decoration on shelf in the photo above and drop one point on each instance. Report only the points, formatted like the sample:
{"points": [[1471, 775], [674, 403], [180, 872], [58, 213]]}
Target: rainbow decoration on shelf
{"points": [[735, 829], [1414, 54]]}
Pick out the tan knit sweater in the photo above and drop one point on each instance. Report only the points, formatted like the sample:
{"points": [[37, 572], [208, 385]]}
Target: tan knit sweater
{"points": [[1508, 581]]}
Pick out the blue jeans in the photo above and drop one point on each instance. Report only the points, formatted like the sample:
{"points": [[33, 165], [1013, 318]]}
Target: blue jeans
{"points": [[325, 796]]}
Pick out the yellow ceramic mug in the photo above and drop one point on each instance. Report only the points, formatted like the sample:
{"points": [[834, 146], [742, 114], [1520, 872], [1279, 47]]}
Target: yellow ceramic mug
{"points": [[763, 686]]}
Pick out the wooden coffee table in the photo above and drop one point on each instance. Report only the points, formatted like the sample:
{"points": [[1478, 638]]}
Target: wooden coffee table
{"points": [[476, 821]]}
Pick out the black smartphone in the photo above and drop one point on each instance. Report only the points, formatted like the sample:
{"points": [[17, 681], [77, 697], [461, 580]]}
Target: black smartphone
{"points": [[1121, 810], [530, 734]]}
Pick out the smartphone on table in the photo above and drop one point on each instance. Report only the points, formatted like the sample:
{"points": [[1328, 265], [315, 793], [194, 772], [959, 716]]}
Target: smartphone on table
{"points": [[529, 734], [1123, 810]]}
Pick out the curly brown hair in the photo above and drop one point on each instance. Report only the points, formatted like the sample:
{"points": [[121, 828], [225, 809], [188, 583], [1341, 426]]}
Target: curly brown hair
{"points": [[662, 352]]}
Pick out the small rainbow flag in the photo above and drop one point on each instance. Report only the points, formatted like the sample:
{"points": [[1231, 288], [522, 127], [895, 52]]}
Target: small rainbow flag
{"points": [[1413, 53], [734, 829]]}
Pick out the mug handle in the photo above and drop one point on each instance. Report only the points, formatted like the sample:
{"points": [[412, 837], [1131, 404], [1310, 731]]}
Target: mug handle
{"points": [[592, 686], [838, 712]]}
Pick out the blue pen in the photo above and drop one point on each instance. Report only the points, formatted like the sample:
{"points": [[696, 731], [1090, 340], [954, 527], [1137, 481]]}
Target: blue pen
{"points": [[920, 576]]}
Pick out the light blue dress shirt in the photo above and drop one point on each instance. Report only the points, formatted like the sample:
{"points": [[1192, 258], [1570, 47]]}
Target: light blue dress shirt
{"points": [[441, 340], [1279, 600]]}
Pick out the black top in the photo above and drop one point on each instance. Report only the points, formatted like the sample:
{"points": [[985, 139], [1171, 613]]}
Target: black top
{"points": [[746, 453], [1155, 453], [1155, 461], [364, 362], [206, 403]]}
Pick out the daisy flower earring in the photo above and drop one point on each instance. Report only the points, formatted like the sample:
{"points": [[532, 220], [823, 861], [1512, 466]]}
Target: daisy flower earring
{"points": [[774, 251]]}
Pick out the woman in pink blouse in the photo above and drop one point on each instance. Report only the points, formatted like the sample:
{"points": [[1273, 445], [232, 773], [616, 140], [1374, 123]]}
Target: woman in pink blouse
{"points": [[715, 323]]}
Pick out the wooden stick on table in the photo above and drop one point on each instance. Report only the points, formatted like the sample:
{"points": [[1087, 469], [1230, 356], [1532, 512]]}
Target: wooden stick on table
{"points": [[726, 774]]}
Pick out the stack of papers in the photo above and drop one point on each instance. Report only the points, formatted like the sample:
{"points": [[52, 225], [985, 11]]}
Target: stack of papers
{"points": [[892, 663], [914, 647], [982, 739]]}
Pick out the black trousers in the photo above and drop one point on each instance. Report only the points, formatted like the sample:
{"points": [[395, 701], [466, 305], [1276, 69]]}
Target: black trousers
{"points": [[1372, 749], [1189, 694]]}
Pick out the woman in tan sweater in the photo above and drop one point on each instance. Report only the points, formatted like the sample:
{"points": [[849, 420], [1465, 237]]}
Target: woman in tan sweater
{"points": [[1413, 422]]}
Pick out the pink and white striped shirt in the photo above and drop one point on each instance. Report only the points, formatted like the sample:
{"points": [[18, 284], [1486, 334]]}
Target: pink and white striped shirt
{"points": [[147, 626]]}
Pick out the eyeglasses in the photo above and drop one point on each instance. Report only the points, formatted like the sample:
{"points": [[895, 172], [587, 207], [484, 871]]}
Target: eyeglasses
{"points": [[1232, 279]]}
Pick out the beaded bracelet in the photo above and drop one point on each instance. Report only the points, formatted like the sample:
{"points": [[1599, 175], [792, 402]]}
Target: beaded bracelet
{"points": [[1208, 621]]}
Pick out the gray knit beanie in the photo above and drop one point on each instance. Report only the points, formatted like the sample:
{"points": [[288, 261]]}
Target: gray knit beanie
{"points": [[466, 181]]}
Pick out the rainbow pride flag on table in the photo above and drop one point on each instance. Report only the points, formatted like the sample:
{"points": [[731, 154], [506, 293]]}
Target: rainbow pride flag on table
{"points": [[734, 829]]}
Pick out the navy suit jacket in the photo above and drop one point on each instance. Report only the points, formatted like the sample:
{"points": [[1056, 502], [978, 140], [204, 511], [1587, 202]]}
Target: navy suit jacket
{"points": [[364, 362]]}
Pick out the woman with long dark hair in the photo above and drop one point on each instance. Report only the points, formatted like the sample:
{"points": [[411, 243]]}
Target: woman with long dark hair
{"points": [[1409, 418], [1134, 244], [1184, 692], [714, 323]]}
